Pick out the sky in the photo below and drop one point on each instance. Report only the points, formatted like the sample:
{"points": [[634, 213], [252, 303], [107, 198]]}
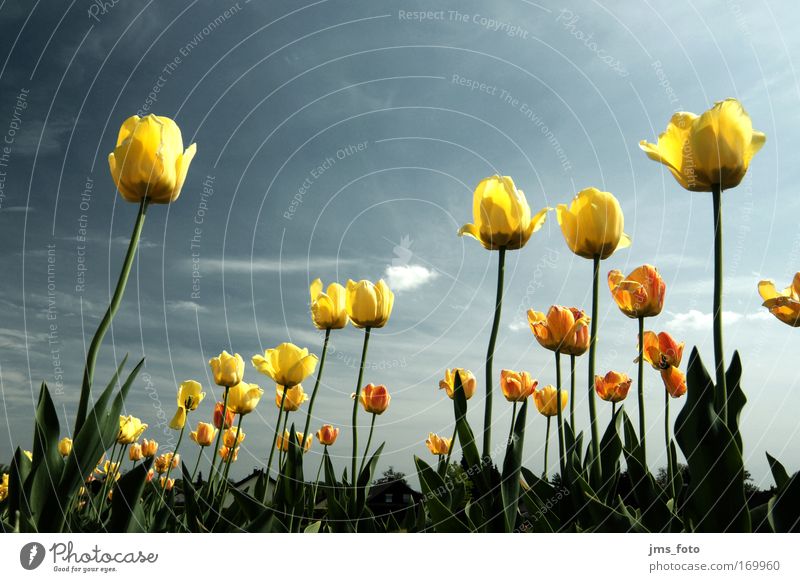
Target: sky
{"points": [[343, 140]]}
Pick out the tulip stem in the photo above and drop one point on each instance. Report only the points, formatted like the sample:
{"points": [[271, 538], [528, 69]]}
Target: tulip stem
{"points": [[281, 452], [719, 356], [316, 384], [369, 442], [275, 437], [197, 464], [110, 461], [560, 427], [592, 349], [116, 299], [642, 422], [229, 460], [513, 416], [498, 304], [316, 481], [213, 472], [668, 439], [452, 445], [355, 408], [572, 392], [171, 462], [613, 409], [546, 447]]}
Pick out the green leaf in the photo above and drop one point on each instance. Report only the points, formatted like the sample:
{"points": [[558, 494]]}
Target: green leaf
{"points": [[543, 502], [437, 500], [127, 496], [784, 507], [365, 478], [509, 486], [715, 499], [467, 439], [736, 398], [610, 453], [47, 465], [313, 527], [192, 512], [778, 472]]}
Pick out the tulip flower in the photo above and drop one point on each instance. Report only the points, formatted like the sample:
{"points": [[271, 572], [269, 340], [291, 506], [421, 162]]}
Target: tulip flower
{"points": [[784, 305], [149, 160], [204, 434], [468, 382], [613, 387], [502, 215], [217, 418], [546, 400], [229, 455], [640, 294], [294, 397], [227, 369], [231, 438], [374, 399], [327, 435], [369, 305], [65, 446], [517, 386], [166, 461], [28, 454], [167, 484], [283, 441], [674, 381], [563, 329], [710, 153], [287, 364], [661, 351], [244, 397], [149, 448], [438, 445], [135, 452], [130, 429], [329, 309], [4, 488]]}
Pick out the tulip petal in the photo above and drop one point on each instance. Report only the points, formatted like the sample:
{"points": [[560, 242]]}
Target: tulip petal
{"points": [[767, 290]]}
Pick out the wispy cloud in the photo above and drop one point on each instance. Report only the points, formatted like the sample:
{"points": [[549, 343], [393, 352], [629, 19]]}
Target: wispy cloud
{"points": [[408, 277], [186, 306], [276, 266], [698, 320]]}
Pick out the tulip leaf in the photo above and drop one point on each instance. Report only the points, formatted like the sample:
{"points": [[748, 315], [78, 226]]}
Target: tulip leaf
{"points": [[736, 398], [438, 500], [313, 527], [509, 486], [127, 496], [364, 479], [610, 453], [784, 507], [760, 518], [467, 439], [191, 507], [47, 463], [543, 503], [715, 499], [778, 472], [17, 499]]}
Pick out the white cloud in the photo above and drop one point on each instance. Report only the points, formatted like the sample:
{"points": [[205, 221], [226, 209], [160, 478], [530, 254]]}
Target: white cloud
{"points": [[186, 306], [408, 277], [698, 320], [274, 266], [518, 325]]}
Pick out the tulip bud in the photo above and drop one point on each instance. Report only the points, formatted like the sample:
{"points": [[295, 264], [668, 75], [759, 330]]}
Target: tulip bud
{"points": [[167, 484], [546, 400], [135, 452], [230, 438], [592, 224], [244, 397], [327, 435], [613, 387], [369, 304], [65, 446], [226, 452], [328, 310], [204, 435], [149, 448], [287, 364], [375, 399], [563, 329], [228, 369], [438, 445], [218, 416], [674, 381]]}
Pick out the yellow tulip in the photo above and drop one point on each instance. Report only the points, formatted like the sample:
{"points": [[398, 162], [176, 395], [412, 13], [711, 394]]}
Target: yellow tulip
{"points": [[282, 444], [244, 397], [28, 454], [205, 434], [287, 364], [502, 215], [65, 446], [468, 382], [613, 387], [163, 462], [190, 395], [226, 452], [149, 160], [369, 304], [593, 224], [4, 488], [563, 329], [327, 435], [295, 396], [784, 305], [167, 484], [517, 386], [130, 429], [328, 310], [640, 294], [230, 439], [135, 452], [149, 448], [438, 445], [709, 151], [374, 399], [546, 400], [661, 351], [228, 369]]}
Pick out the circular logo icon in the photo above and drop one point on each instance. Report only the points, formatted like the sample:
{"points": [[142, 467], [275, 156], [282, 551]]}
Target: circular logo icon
{"points": [[31, 555]]}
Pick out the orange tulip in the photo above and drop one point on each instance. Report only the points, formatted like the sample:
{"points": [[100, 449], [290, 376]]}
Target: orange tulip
{"points": [[327, 435], [546, 400], [661, 351], [517, 386], [218, 416], [204, 435], [135, 452], [784, 305], [149, 448], [563, 329], [225, 452], [613, 387], [438, 445], [375, 399], [674, 381], [640, 294]]}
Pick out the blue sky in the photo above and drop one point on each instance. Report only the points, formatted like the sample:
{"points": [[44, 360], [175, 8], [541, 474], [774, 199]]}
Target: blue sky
{"points": [[343, 140]]}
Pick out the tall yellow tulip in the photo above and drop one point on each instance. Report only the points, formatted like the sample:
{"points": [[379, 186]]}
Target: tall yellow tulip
{"points": [[593, 224], [149, 160], [228, 370], [286, 364], [294, 397], [369, 305], [243, 398], [328, 309]]}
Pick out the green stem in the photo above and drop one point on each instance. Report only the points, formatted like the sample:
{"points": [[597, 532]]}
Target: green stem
{"points": [[560, 427], [281, 453], [513, 416], [498, 304], [592, 350], [171, 459], [316, 384], [452, 446], [275, 436], [572, 392], [213, 472], [231, 453], [116, 299], [369, 442], [104, 488], [667, 439], [546, 447], [642, 422], [719, 355], [197, 464], [355, 408]]}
